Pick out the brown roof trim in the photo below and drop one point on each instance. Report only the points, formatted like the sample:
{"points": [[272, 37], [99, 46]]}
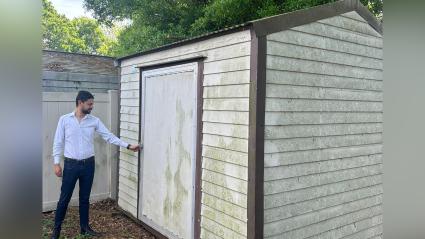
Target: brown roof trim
{"points": [[369, 17], [285, 21], [281, 22], [139, 140], [171, 63], [198, 166]]}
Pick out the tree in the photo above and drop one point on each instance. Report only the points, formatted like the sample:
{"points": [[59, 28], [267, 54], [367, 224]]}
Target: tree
{"points": [[79, 35], [89, 33], [55, 27], [155, 23], [225, 13]]}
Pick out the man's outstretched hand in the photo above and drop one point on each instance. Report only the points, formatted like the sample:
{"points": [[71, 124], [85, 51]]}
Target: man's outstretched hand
{"points": [[134, 148]]}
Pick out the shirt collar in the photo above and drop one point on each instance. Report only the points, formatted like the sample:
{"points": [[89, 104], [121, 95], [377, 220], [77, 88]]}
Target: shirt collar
{"points": [[72, 114]]}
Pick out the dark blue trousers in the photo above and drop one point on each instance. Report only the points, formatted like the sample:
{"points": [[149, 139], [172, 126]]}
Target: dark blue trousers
{"points": [[73, 170]]}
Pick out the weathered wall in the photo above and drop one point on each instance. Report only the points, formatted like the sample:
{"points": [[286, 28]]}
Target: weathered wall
{"points": [[323, 133], [70, 72], [225, 130]]}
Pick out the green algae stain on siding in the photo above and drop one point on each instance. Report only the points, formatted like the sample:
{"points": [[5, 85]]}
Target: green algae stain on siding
{"points": [[132, 178]]}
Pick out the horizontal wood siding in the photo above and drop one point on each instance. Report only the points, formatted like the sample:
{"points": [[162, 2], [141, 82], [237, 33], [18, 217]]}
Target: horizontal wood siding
{"points": [[129, 131], [323, 131], [225, 130]]}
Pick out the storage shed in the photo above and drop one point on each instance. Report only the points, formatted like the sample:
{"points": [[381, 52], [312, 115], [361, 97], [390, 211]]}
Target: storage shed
{"points": [[269, 129]]}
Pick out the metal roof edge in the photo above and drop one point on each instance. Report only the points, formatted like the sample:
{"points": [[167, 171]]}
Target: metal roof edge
{"points": [[240, 27]]}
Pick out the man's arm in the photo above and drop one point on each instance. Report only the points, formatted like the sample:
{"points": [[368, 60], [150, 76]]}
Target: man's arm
{"points": [[58, 145], [59, 140], [108, 136]]}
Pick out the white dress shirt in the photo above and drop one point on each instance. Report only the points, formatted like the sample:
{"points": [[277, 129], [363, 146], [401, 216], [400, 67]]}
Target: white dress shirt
{"points": [[76, 138]]}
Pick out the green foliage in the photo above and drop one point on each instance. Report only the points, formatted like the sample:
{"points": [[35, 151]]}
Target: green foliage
{"points": [[134, 39], [225, 13], [375, 6], [293, 5], [159, 22], [107, 11], [80, 35], [55, 27], [154, 23]]}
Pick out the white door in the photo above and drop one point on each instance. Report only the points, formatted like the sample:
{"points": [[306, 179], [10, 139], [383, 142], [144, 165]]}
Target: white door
{"points": [[167, 172]]}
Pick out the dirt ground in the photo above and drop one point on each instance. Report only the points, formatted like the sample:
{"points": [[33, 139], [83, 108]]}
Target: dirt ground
{"points": [[104, 218]]}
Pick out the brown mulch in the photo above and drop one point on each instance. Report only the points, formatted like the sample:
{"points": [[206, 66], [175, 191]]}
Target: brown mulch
{"points": [[104, 218]]}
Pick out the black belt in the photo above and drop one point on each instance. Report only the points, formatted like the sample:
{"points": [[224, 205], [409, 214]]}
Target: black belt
{"points": [[81, 161]]}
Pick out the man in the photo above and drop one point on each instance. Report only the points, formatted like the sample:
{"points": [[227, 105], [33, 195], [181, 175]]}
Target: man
{"points": [[74, 135]]}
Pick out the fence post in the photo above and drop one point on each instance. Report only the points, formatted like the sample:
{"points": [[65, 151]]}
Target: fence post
{"points": [[113, 151]]}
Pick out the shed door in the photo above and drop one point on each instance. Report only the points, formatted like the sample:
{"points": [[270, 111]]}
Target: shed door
{"points": [[169, 117]]}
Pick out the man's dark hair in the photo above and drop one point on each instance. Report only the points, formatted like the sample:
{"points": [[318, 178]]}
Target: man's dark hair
{"points": [[83, 96]]}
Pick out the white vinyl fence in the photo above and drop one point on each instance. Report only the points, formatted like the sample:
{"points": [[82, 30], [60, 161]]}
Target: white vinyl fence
{"points": [[56, 104]]}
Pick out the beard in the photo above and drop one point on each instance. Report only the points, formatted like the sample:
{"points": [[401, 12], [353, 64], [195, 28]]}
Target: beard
{"points": [[86, 111]]}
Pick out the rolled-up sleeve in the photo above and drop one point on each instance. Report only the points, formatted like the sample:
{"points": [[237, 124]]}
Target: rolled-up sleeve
{"points": [[59, 140], [108, 136]]}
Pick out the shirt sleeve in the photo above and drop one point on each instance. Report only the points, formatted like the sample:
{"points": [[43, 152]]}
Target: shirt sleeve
{"points": [[108, 136], [59, 141]]}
